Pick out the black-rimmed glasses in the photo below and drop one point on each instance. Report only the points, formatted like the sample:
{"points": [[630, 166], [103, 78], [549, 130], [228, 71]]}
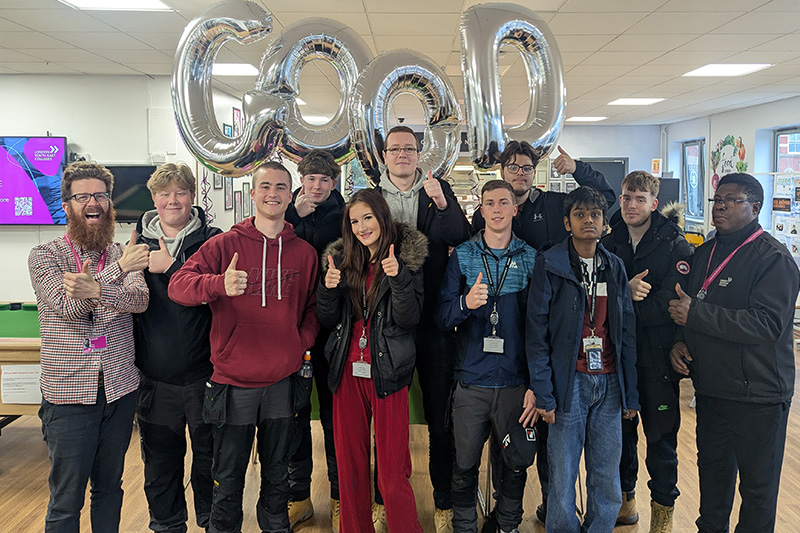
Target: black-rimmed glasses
{"points": [[84, 197]]}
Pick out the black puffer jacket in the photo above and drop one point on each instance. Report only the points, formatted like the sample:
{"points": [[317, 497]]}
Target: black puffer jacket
{"points": [[663, 251], [321, 227], [393, 323], [172, 343]]}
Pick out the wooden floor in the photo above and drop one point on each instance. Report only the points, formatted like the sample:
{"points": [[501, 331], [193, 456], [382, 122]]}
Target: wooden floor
{"points": [[24, 493]]}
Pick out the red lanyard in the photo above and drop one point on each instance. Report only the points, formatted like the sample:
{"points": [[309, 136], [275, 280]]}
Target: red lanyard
{"points": [[710, 279], [78, 264]]}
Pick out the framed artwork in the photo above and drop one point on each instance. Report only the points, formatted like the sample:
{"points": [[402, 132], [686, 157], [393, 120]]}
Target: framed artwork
{"points": [[237, 122], [217, 181], [237, 206], [570, 186], [227, 130], [246, 201], [228, 194], [555, 186]]}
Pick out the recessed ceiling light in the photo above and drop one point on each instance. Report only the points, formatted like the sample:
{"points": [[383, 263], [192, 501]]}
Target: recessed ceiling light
{"points": [[636, 101], [464, 168], [586, 119], [316, 120], [234, 69], [728, 69], [117, 5], [300, 101]]}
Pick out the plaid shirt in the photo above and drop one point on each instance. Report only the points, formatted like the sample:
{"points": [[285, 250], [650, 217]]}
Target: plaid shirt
{"points": [[68, 375]]}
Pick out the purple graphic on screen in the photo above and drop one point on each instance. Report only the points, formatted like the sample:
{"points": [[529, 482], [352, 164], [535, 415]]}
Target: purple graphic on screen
{"points": [[20, 199], [45, 153]]}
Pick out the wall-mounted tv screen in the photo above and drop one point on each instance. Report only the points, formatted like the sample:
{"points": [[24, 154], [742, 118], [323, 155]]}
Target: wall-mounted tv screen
{"points": [[31, 169], [131, 197]]}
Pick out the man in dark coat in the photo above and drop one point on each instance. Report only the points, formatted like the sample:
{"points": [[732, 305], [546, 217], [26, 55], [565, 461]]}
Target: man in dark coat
{"points": [[656, 257]]}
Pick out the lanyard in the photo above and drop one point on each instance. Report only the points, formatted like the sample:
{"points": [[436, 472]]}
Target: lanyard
{"points": [[494, 317], [590, 286], [362, 341], [710, 279], [78, 264]]}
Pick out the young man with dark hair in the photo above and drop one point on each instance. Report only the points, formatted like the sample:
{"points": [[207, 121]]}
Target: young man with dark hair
{"points": [[86, 288], [484, 294], [580, 336], [656, 257], [538, 220], [259, 280], [736, 343], [316, 214], [429, 205], [174, 367]]}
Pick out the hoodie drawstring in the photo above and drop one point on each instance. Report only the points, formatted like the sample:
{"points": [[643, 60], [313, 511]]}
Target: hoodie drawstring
{"points": [[280, 252], [264, 273]]}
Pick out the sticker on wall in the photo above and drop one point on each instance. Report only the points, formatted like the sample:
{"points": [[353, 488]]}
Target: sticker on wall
{"points": [[728, 156]]}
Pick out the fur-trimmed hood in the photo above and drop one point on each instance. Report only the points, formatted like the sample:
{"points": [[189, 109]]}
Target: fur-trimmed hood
{"points": [[674, 212], [412, 245]]}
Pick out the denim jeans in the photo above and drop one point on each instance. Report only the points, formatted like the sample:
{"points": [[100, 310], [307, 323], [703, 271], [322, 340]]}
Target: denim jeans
{"points": [[593, 424], [86, 443]]}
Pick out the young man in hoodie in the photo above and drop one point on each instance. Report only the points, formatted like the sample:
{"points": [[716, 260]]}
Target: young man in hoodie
{"points": [[580, 337], [656, 257], [429, 205], [173, 367], [316, 214], [259, 281], [484, 294]]}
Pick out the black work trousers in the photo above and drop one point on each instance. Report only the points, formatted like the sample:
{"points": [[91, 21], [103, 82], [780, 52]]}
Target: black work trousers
{"points": [[748, 439], [164, 411]]}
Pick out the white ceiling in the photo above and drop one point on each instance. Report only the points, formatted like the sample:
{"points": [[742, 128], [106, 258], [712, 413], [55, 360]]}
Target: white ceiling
{"points": [[610, 49]]}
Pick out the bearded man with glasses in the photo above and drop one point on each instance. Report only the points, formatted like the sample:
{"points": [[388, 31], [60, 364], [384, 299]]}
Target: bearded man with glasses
{"points": [[86, 288]]}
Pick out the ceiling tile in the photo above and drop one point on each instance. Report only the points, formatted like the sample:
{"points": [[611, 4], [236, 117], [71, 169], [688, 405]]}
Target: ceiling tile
{"points": [[413, 24], [159, 41], [660, 23], [593, 23], [620, 58], [413, 6], [136, 56], [582, 43], [56, 19], [646, 43], [357, 21], [22, 40], [108, 40], [67, 56], [433, 43], [761, 22], [142, 21], [104, 68], [43, 68], [718, 42]]}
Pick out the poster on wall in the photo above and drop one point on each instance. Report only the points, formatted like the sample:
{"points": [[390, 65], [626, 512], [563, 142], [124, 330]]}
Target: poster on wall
{"points": [[246, 203], [217, 181], [727, 157], [237, 207], [228, 194], [655, 168], [237, 122]]}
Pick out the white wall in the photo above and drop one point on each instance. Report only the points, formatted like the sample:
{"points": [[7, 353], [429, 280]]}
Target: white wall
{"points": [[640, 144]]}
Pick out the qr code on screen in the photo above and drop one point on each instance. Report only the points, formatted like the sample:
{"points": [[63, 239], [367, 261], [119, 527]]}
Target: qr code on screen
{"points": [[23, 206]]}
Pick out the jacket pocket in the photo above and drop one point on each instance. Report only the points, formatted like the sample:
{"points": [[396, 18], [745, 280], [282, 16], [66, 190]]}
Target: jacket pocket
{"points": [[301, 391], [402, 352], [215, 403]]}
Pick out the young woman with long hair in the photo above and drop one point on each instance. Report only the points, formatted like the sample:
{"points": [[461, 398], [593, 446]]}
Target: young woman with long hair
{"points": [[371, 296]]}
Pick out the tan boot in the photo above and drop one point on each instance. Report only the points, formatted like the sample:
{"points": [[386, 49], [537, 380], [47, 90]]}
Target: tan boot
{"points": [[660, 518], [627, 513], [379, 518], [334, 515], [300, 511], [443, 521]]}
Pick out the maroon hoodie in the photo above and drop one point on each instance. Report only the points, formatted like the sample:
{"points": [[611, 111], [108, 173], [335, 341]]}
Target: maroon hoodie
{"points": [[258, 338]]}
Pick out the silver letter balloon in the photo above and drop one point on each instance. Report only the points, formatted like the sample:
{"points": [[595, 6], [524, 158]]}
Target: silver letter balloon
{"points": [[368, 87]]}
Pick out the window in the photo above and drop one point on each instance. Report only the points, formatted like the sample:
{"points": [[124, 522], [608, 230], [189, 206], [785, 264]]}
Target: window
{"points": [[787, 150], [693, 178]]}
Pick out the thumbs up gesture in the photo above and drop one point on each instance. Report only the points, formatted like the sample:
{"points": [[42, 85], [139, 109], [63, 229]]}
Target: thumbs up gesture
{"points": [[564, 164], [303, 204], [679, 309], [135, 256], [235, 280], [333, 276], [81, 285], [390, 265], [639, 287], [160, 260], [478, 295], [433, 188]]}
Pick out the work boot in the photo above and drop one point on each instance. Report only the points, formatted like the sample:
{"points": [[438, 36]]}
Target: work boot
{"points": [[300, 511], [379, 518], [443, 521], [627, 513], [660, 518], [334, 515]]}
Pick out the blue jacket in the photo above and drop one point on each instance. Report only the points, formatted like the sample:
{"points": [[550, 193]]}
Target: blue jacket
{"points": [[556, 306], [473, 365]]}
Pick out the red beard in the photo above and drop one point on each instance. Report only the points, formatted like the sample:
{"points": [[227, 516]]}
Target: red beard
{"points": [[94, 237]]}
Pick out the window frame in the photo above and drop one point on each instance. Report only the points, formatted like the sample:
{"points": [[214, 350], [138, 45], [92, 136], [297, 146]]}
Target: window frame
{"points": [[700, 187]]}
